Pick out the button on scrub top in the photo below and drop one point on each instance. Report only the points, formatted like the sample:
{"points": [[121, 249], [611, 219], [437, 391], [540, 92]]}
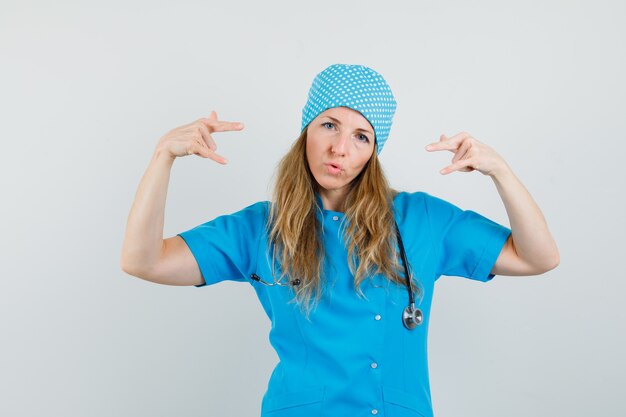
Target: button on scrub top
{"points": [[353, 356]]}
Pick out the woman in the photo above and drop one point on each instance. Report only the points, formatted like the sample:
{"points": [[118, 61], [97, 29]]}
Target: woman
{"points": [[343, 265]]}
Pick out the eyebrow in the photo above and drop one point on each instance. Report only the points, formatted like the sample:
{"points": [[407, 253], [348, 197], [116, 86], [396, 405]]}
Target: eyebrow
{"points": [[359, 129]]}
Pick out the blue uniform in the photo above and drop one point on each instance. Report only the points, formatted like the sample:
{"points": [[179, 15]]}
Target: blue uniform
{"points": [[354, 357]]}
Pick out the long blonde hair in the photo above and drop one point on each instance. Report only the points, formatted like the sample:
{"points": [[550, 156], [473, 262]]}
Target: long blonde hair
{"points": [[295, 231]]}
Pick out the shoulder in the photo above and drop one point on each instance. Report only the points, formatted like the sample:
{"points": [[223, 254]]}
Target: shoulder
{"points": [[255, 213], [424, 208], [404, 199], [260, 208], [418, 200], [250, 217]]}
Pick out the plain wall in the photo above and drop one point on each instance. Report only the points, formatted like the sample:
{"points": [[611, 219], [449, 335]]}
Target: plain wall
{"points": [[87, 90]]}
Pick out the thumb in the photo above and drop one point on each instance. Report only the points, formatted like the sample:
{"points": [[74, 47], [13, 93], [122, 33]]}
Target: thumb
{"points": [[213, 115]]}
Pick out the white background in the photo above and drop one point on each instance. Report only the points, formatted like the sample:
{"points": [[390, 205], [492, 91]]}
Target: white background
{"points": [[87, 90]]}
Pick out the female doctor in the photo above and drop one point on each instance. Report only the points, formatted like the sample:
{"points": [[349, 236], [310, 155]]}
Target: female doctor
{"points": [[343, 265]]}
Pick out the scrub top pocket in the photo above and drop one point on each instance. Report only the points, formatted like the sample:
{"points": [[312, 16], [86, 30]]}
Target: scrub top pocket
{"points": [[399, 403], [292, 404]]}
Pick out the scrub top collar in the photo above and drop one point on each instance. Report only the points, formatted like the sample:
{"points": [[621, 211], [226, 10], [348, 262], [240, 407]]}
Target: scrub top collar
{"points": [[324, 214]]}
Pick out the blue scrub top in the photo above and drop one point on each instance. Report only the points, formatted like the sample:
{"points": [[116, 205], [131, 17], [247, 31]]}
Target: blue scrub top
{"points": [[354, 357]]}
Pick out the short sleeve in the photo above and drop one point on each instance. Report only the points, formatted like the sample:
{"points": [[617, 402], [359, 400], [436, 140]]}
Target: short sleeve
{"points": [[226, 247], [467, 243]]}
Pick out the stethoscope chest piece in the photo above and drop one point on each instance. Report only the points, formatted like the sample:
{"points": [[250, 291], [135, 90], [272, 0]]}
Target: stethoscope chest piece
{"points": [[412, 317]]}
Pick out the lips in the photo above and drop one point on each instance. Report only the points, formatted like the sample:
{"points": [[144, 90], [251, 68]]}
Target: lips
{"points": [[333, 168]]}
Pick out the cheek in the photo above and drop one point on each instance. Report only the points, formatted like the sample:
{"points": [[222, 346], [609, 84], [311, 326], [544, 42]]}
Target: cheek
{"points": [[310, 157], [360, 163], [314, 150], [308, 149]]}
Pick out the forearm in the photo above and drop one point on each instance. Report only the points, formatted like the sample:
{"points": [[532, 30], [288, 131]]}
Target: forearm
{"points": [[531, 237], [144, 229]]}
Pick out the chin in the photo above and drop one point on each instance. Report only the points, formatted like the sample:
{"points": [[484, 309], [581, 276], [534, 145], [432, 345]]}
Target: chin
{"points": [[331, 185]]}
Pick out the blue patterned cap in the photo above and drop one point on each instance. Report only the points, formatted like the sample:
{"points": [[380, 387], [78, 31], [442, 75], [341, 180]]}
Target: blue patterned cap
{"points": [[357, 87]]}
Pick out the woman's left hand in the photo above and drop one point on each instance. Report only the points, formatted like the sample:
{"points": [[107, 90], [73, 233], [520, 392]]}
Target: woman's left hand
{"points": [[469, 155]]}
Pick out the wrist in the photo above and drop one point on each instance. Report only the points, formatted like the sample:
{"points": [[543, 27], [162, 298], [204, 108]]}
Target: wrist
{"points": [[163, 155], [501, 172]]}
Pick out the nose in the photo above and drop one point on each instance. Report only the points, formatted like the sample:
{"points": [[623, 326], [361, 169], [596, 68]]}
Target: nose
{"points": [[340, 144]]}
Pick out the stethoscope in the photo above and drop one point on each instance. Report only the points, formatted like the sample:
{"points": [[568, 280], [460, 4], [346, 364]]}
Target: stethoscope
{"points": [[411, 316]]}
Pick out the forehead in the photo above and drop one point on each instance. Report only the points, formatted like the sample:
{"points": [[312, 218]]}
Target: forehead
{"points": [[348, 116]]}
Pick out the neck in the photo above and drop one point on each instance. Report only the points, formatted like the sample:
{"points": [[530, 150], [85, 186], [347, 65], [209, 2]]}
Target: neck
{"points": [[333, 200]]}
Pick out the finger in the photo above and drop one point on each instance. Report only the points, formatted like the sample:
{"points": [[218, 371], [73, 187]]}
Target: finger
{"points": [[449, 143], [199, 148], [207, 138], [221, 126], [459, 165], [458, 137], [442, 146], [217, 158], [226, 126], [463, 150]]}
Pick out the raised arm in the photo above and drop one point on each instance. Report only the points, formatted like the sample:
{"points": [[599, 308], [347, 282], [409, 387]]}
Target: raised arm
{"points": [[531, 249], [145, 254]]}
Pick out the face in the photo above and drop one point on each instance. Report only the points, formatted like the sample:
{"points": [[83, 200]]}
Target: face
{"points": [[339, 143]]}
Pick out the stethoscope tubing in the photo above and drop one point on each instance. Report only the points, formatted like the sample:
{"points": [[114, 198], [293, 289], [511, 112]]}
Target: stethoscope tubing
{"points": [[411, 316]]}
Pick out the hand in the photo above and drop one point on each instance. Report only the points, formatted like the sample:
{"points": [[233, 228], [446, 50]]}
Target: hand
{"points": [[195, 138], [469, 155]]}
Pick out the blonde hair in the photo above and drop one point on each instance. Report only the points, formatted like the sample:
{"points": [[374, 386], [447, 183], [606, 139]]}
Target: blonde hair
{"points": [[295, 232]]}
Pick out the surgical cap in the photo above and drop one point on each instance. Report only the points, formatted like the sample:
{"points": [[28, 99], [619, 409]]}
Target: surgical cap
{"points": [[357, 87]]}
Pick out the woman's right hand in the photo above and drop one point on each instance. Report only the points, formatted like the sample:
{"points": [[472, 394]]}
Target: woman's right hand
{"points": [[195, 138]]}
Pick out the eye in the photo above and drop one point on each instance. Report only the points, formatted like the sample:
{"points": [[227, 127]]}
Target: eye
{"points": [[328, 123], [363, 138]]}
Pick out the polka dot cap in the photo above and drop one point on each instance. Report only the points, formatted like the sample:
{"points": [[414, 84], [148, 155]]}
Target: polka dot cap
{"points": [[357, 87]]}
